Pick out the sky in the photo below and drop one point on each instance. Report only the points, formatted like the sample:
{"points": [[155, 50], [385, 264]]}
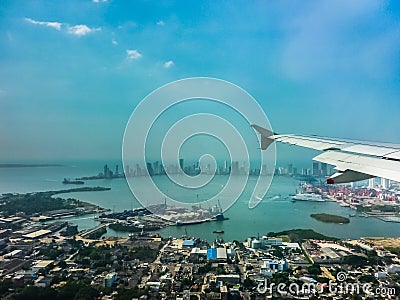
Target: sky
{"points": [[72, 72]]}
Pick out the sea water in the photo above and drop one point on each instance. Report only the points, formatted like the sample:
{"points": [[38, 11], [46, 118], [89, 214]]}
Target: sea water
{"points": [[275, 213]]}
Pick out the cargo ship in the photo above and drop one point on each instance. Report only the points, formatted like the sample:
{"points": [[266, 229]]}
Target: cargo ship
{"points": [[308, 197], [67, 181], [191, 222]]}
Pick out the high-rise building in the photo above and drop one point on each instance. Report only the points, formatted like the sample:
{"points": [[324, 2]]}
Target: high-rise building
{"points": [[116, 170], [290, 169], [371, 183], [385, 183], [150, 169], [162, 171], [127, 171], [264, 169], [156, 168], [235, 168], [138, 171], [324, 169], [181, 163], [106, 171], [315, 169]]}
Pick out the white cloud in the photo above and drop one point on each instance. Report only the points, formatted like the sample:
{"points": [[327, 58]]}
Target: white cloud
{"points": [[169, 64], [55, 25], [114, 42], [98, 1], [78, 30], [81, 30], [160, 23], [133, 54]]}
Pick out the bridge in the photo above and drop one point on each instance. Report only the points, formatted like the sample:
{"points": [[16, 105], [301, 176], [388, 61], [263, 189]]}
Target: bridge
{"points": [[89, 232]]}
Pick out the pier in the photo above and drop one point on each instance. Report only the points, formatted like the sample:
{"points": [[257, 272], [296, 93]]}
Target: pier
{"points": [[89, 232]]}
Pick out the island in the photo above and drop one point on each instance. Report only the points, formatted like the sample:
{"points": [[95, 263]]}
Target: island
{"points": [[328, 218]]}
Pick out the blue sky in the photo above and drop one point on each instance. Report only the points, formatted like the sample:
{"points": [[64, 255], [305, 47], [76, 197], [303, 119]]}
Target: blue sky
{"points": [[71, 72]]}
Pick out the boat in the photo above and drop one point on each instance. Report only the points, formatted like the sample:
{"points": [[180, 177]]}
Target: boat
{"points": [[218, 231], [67, 181], [308, 197], [220, 217], [191, 222]]}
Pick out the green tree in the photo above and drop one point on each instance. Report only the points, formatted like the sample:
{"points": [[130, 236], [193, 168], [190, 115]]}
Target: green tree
{"points": [[4, 286], [314, 269], [248, 283]]}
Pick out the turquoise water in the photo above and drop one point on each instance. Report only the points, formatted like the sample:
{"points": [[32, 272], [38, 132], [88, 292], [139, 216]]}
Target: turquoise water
{"points": [[275, 213]]}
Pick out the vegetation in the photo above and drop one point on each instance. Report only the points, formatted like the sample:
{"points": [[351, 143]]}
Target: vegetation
{"points": [[280, 277], [52, 251], [248, 283], [94, 257], [394, 250], [298, 235], [314, 269], [76, 290], [205, 269], [145, 254], [40, 202], [129, 294], [35, 203], [4, 286], [355, 260], [328, 218]]}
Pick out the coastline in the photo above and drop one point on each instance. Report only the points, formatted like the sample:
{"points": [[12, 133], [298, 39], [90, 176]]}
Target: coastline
{"points": [[244, 222]]}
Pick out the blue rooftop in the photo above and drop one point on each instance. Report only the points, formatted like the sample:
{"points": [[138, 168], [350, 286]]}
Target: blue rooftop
{"points": [[188, 243], [212, 253]]}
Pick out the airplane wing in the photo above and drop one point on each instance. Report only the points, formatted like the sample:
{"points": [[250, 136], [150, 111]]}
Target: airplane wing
{"points": [[354, 160]]}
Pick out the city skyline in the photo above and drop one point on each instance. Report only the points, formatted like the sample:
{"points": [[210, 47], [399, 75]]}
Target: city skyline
{"points": [[193, 168], [156, 168]]}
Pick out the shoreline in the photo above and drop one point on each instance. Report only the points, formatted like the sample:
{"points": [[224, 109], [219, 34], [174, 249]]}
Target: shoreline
{"points": [[45, 206], [120, 199]]}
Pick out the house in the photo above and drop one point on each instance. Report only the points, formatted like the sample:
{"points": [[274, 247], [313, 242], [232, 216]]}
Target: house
{"points": [[43, 281], [110, 279]]}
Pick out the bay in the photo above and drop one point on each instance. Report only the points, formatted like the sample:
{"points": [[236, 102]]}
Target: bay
{"points": [[275, 213]]}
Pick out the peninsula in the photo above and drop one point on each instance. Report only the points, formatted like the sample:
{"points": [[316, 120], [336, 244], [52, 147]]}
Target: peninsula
{"points": [[45, 205]]}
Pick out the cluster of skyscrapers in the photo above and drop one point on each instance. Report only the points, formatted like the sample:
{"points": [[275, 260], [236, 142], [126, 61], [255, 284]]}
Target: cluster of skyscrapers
{"points": [[318, 170], [107, 173], [157, 168], [236, 168]]}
